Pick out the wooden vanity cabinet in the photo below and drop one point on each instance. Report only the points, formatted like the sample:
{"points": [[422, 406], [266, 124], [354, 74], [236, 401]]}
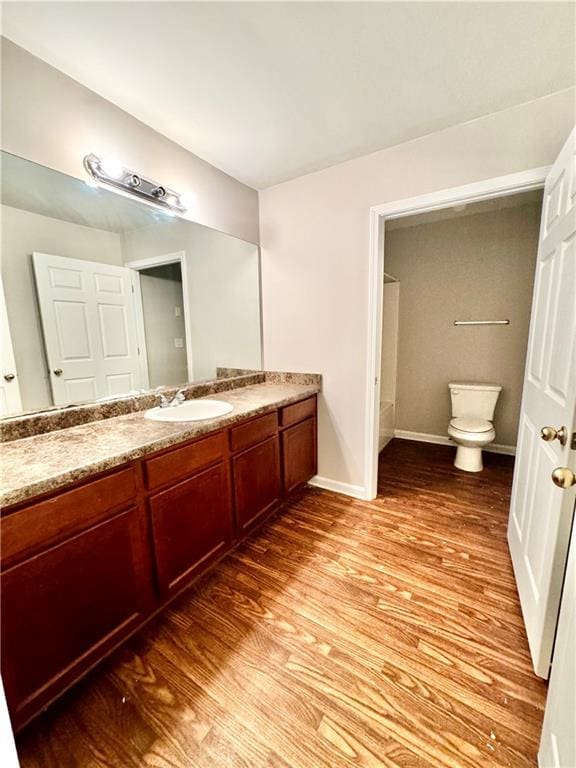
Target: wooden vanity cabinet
{"points": [[82, 590], [255, 471], [257, 484], [299, 455], [84, 568], [192, 526], [191, 518]]}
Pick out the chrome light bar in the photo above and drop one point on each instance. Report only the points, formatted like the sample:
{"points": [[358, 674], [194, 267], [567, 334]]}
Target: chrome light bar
{"points": [[114, 174]]}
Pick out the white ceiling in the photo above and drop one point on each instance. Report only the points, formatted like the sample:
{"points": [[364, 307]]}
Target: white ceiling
{"points": [[270, 91]]}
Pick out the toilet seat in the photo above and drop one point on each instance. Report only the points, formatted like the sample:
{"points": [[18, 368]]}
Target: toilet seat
{"points": [[471, 424]]}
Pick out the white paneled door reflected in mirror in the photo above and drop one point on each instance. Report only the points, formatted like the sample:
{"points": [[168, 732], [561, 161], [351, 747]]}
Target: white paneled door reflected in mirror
{"points": [[104, 296]]}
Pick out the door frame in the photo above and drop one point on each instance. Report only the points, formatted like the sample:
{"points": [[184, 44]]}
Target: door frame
{"points": [[499, 186], [7, 355], [178, 257]]}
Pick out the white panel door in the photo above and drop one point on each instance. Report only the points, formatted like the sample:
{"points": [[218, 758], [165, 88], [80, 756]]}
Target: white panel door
{"points": [[558, 742], [89, 326], [541, 513], [10, 401]]}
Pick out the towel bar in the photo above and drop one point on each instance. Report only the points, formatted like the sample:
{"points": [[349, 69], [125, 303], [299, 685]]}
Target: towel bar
{"points": [[481, 322]]}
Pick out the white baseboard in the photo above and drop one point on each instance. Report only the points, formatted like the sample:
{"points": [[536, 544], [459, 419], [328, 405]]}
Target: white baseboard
{"points": [[356, 491], [509, 450], [424, 437]]}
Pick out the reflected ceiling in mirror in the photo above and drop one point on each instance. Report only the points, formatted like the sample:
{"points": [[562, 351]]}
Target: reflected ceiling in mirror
{"points": [[104, 296]]}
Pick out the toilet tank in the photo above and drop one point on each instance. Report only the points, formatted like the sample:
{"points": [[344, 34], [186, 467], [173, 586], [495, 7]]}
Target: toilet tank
{"points": [[471, 399]]}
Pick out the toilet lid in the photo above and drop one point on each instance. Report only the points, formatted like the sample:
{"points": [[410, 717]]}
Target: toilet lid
{"points": [[470, 424]]}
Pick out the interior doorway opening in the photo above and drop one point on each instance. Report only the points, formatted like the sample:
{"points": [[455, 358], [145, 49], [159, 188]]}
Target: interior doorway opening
{"points": [[457, 297], [161, 296], [163, 317], [381, 216]]}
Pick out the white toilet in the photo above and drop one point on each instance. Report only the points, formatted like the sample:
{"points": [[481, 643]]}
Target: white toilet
{"points": [[471, 425]]}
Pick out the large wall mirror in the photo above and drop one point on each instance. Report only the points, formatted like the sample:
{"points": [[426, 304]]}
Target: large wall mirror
{"points": [[103, 296]]}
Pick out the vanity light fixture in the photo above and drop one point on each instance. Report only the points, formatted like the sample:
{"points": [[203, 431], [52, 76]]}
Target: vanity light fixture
{"points": [[114, 174]]}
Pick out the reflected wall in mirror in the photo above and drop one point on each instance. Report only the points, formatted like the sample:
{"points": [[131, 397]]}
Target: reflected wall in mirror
{"points": [[104, 296]]}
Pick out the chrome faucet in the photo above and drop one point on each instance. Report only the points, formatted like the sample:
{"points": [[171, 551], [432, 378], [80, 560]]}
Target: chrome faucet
{"points": [[164, 403], [178, 398]]}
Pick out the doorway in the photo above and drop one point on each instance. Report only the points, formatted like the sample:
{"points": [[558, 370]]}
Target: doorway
{"points": [[163, 317], [445, 199], [457, 296], [161, 294]]}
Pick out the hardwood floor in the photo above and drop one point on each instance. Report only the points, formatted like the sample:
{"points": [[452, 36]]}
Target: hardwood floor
{"points": [[343, 633]]}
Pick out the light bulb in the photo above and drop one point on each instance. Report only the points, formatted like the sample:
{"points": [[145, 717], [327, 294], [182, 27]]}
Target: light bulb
{"points": [[112, 167], [187, 201]]}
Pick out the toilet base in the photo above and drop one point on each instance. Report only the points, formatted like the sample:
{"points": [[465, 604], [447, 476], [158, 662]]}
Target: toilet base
{"points": [[468, 459]]}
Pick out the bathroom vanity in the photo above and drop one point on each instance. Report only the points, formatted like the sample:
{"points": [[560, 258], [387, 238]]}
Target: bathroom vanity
{"points": [[107, 305], [106, 522]]}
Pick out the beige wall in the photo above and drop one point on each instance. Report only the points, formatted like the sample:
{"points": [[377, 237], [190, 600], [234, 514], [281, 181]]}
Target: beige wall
{"points": [[22, 234], [478, 267], [161, 289], [315, 242], [51, 119]]}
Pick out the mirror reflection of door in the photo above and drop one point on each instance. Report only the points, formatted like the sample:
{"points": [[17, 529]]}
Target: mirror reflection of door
{"points": [[89, 326], [164, 327], [10, 401]]}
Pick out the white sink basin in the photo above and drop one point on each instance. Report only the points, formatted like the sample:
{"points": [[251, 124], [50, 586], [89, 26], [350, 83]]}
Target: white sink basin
{"points": [[190, 410]]}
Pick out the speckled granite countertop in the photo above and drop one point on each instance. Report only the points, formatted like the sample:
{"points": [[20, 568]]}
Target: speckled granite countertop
{"points": [[43, 463]]}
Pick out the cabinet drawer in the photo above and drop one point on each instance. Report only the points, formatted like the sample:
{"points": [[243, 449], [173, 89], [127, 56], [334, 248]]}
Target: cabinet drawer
{"points": [[192, 525], [181, 462], [253, 432], [41, 525], [291, 414]]}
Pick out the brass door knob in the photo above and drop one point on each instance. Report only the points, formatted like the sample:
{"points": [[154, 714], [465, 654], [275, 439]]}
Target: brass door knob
{"points": [[549, 434], [9, 376], [57, 371], [563, 477]]}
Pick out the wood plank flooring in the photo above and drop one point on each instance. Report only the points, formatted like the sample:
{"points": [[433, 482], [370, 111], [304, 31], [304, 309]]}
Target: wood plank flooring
{"points": [[343, 633]]}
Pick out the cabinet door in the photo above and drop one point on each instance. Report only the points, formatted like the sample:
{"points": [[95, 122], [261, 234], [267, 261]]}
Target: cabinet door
{"points": [[299, 454], [256, 483], [192, 525], [63, 608]]}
